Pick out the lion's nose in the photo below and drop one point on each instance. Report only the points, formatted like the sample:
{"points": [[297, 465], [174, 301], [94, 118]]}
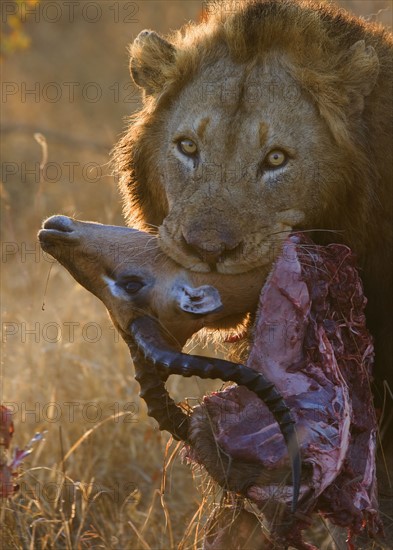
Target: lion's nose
{"points": [[212, 253]]}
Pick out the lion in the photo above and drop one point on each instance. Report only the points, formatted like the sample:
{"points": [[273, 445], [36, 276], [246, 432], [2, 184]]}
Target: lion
{"points": [[268, 116]]}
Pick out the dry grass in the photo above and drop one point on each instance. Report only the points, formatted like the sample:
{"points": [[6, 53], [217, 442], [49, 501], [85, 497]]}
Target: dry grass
{"points": [[104, 477]]}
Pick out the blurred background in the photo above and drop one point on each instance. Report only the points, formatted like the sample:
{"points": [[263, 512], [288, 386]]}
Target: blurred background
{"points": [[97, 478]]}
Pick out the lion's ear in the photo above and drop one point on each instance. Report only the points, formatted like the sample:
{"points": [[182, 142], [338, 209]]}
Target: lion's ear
{"points": [[150, 56], [358, 74], [340, 90]]}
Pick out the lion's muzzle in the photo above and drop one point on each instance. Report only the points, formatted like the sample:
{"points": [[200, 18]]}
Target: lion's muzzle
{"points": [[212, 246]]}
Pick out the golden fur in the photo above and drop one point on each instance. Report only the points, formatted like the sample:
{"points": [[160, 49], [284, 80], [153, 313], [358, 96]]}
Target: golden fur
{"points": [[255, 76], [340, 176]]}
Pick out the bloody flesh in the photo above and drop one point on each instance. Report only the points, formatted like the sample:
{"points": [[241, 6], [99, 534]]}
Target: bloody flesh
{"points": [[311, 341]]}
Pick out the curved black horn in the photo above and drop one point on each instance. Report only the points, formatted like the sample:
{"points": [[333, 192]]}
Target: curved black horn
{"points": [[156, 351], [160, 405]]}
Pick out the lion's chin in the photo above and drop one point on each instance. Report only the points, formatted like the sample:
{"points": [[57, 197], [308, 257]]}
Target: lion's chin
{"points": [[176, 253]]}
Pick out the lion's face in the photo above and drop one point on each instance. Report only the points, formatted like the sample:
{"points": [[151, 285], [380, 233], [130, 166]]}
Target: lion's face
{"points": [[240, 152], [242, 139]]}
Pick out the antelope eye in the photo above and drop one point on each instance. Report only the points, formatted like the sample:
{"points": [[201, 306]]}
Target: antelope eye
{"points": [[133, 286], [187, 147], [275, 159]]}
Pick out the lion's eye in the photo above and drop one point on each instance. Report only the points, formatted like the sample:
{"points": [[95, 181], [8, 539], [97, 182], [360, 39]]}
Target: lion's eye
{"points": [[275, 159], [188, 147]]}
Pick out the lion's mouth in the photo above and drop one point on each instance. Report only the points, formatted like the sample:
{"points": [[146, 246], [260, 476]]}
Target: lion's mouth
{"points": [[259, 250], [224, 246]]}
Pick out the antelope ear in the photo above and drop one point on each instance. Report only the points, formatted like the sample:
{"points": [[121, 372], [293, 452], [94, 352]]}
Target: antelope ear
{"points": [[200, 301], [150, 55]]}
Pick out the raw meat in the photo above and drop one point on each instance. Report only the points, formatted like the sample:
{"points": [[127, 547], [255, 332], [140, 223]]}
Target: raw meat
{"points": [[311, 341]]}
